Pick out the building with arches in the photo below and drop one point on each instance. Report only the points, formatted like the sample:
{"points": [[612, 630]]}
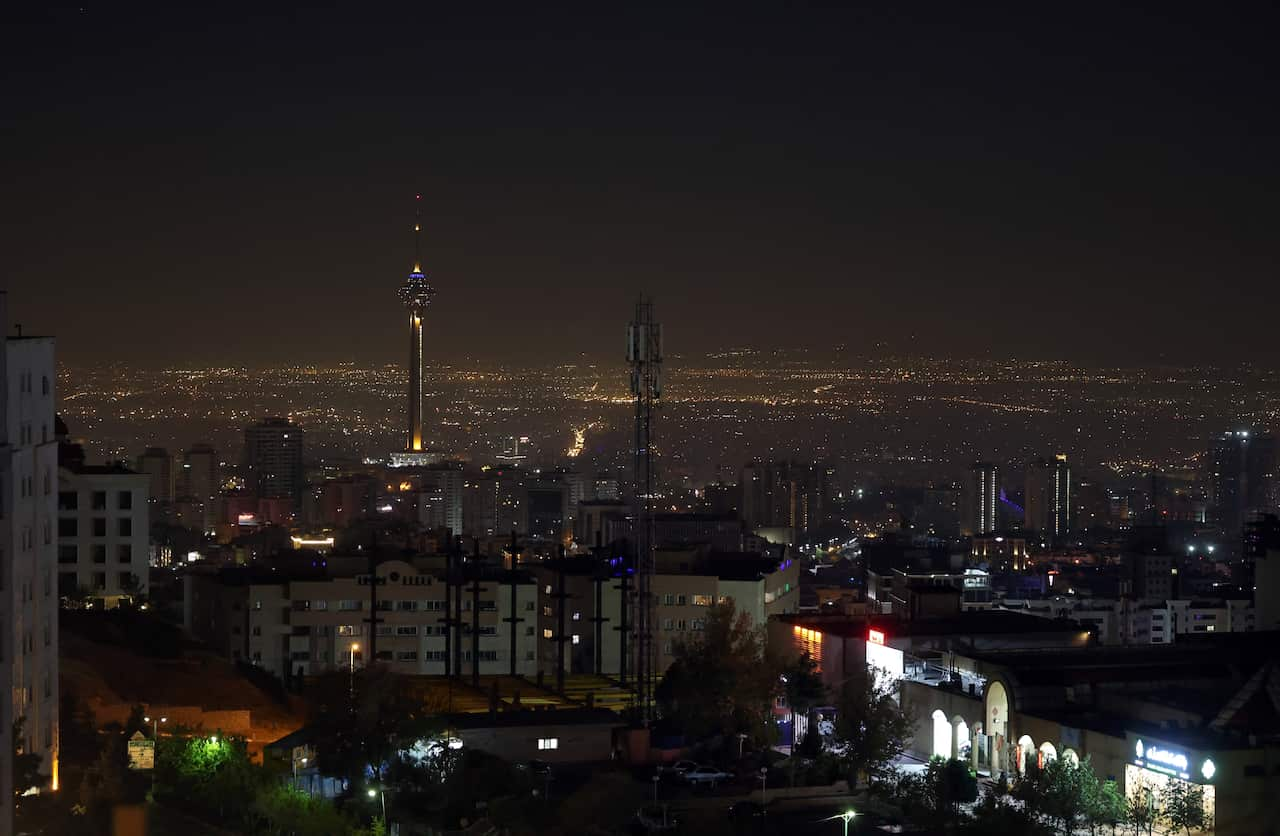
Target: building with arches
{"points": [[1206, 713]]}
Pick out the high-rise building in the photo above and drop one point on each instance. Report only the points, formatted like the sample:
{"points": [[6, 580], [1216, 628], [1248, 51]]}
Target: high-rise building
{"points": [[273, 460], [28, 560], [984, 498], [1243, 478], [1048, 506], [416, 295], [200, 482], [440, 495], [158, 465], [784, 494]]}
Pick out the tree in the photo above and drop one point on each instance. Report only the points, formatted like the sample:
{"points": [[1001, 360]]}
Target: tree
{"points": [[362, 732], [951, 783], [719, 681], [1141, 812], [281, 809], [1101, 802], [1184, 806], [995, 813], [212, 775], [871, 728], [1062, 789]]}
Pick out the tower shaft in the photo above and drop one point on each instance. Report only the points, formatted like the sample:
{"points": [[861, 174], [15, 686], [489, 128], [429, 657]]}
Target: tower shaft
{"points": [[415, 380]]}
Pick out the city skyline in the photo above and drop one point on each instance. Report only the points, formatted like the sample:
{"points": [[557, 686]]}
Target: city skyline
{"points": [[878, 180]]}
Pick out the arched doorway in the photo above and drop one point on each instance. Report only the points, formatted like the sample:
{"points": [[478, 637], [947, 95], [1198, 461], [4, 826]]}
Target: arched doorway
{"points": [[1070, 756], [941, 735], [1048, 754], [996, 728], [964, 743], [1026, 753]]}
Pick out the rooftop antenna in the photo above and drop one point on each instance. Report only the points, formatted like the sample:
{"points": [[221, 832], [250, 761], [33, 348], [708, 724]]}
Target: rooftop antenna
{"points": [[417, 233]]}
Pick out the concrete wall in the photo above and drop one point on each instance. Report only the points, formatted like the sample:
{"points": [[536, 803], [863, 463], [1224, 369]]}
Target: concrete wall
{"points": [[575, 743]]}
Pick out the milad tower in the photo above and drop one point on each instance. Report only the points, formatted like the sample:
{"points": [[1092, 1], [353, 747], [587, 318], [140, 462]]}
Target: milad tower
{"points": [[415, 293]]}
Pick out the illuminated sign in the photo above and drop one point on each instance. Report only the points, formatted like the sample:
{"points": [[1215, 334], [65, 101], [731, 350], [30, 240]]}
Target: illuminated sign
{"points": [[312, 541], [1168, 761], [875, 637]]}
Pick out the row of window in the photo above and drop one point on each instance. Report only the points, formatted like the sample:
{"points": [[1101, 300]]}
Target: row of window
{"points": [[670, 599], [70, 500], [385, 605], [70, 553], [679, 624], [70, 527]]}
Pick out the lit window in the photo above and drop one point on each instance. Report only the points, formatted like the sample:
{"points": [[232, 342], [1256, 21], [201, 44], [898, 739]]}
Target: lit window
{"points": [[546, 632], [577, 639], [548, 743]]}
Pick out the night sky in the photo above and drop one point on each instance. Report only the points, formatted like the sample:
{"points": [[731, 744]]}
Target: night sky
{"points": [[1063, 182]]}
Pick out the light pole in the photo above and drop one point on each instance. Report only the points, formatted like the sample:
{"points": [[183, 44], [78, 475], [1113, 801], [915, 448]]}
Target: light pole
{"points": [[355, 647], [764, 784], [846, 817], [379, 793], [295, 770], [656, 779], [155, 725]]}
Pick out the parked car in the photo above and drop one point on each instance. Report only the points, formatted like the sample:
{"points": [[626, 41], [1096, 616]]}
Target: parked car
{"points": [[707, 776], [678, 768]]}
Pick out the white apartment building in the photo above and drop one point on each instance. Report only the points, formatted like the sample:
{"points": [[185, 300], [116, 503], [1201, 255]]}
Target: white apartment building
{"points": [[103, 532], [313, 622], [28, 599], [1122, 621]]}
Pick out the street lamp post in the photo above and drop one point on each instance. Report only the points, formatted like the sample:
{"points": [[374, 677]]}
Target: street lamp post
{"points": [[764, 784], [846, 817], [155, 725], [379, 793]]}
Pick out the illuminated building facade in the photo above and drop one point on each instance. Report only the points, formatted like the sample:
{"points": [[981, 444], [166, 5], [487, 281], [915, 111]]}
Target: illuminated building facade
{"points": [[984, 495], [28, 594], [1048, 491]]}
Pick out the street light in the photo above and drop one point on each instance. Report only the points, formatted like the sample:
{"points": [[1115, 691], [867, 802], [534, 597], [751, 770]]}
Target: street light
{"points": [[355, 647], [378, 793], [846, 817], [155, 725], [764, 784]]}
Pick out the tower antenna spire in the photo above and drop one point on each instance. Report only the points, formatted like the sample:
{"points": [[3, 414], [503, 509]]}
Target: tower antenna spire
{"points": [[417, 233]]}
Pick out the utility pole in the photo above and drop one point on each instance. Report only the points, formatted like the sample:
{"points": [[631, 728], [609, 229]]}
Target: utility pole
{"points": [[373, 620], [599, 576], [452, 559], [475, 619], [561, 596], [512, 578], [644, 354]]}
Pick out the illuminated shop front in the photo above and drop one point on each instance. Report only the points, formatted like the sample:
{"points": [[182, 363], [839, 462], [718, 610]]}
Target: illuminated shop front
{"points": [[1156, 764]]}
